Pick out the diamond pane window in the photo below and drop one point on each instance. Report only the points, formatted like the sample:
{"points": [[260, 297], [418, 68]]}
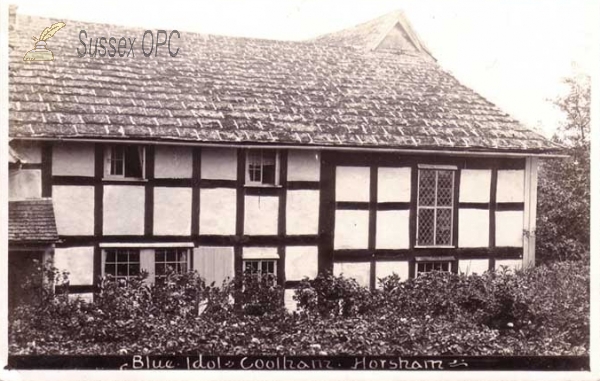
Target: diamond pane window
{"points": [[435, 207]]}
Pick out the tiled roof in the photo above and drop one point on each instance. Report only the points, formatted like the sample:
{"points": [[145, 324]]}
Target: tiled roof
{"points": [[31, 221], [238, 90]]}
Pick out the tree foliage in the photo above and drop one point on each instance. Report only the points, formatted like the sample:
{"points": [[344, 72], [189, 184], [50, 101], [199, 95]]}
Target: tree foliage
{"points": [[563, 220]]}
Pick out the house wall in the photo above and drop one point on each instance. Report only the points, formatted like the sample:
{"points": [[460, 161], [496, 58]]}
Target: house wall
{"points": [[25, 179], [73, 159], [374, 214], [24, 183], [348, 213]]}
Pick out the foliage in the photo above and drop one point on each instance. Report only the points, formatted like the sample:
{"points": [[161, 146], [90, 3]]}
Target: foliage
{"points": [[538, 311], [330, 296], [258, 294], [563, 222]]}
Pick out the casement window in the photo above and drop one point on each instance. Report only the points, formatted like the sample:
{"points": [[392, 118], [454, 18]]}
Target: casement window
{"points": [[262, 167], [122, 263], [425, 267], [435, 206], [125, 161], [173, 259], [261, 267], [261, 261], [126, 262]]}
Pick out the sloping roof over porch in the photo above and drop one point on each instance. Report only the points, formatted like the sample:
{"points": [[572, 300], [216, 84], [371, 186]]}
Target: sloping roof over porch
{"points": [[31, 221], [225, 90]]}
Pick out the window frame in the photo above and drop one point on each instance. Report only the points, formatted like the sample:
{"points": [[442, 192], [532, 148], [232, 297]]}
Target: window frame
{"points": [[448, 262], [436, 168], [274, 279], [115, 263], [146, 260], [108, 160], [260, 261], [177, 250], [248, 182]]}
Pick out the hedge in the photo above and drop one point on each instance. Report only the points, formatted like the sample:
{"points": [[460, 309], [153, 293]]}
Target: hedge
{"points": [[539, 311]]}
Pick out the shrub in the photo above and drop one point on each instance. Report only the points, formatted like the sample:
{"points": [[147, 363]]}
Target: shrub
{"points": [[538, 311], [328, 296], [257, 294]]}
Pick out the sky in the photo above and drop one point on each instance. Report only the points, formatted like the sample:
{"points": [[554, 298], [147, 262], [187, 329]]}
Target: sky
{"points": [[514, 53]]}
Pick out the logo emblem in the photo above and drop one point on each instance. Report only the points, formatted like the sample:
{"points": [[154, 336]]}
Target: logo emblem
{"points": [[41, 53]]}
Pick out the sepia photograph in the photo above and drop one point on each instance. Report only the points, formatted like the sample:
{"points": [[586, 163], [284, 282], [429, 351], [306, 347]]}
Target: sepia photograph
{"points": [[298, 185]]}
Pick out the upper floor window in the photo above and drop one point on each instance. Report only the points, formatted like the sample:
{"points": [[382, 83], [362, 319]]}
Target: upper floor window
{"points": [[125, 161], [435, 206], [262, 167]]}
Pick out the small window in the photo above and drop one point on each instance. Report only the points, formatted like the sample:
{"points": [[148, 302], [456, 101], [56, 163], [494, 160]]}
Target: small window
{"points": [[167, 260], [435, 207], [125, 161], [122, 263], [426, 267], [266, 268], [262, 167]]}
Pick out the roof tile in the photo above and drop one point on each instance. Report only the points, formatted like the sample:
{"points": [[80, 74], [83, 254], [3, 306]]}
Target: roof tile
{"points": [[329, 91]]}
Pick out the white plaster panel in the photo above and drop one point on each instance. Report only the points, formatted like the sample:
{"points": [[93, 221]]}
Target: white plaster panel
{"points": [[260, 215], [511, 186], [87, 297], [73, 159], [352, 183], [393, 184], [219, 163], [473, 266], [27, 150], [24, 184], [351, 229], [300, 262], [304, 165], [172, 211], [360, 271], [217, 211], [74, 209], [173, 162], [260, 252], [288, 299], [473, 228], [302, 215], [123, 210], [78, 261], [475, 185], [509, 228], [511, 264], [386, 268], [392, 229]]}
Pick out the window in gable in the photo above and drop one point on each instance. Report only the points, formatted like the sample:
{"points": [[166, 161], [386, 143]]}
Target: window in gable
{"points": [[262, 167], [435, 207], [125, 161]]}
